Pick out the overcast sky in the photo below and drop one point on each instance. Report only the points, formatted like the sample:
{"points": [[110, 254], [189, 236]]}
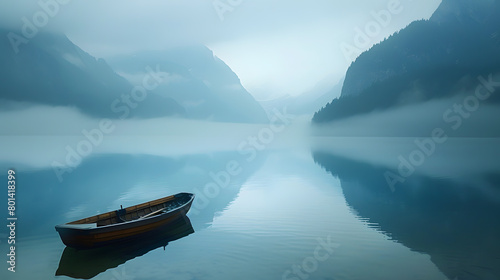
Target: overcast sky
{"points": [[276, 47]]}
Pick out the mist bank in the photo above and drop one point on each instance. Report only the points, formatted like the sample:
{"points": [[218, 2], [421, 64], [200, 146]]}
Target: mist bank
{"points": [[39, 137], [467, 157], [460, 116]]}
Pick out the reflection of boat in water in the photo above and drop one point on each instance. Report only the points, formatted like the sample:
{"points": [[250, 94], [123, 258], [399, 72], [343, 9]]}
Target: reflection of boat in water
{"points": [[124, 224], [87, 264]]}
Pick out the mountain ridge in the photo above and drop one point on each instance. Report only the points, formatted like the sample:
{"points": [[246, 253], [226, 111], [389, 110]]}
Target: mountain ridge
{"points": [[428, 59], [52, 70], [205, 85]]}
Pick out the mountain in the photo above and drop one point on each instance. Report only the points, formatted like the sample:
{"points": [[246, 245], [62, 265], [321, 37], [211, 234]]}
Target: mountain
{"points": [[308, 102], [433, 58], [51, 70], [202, 83]]}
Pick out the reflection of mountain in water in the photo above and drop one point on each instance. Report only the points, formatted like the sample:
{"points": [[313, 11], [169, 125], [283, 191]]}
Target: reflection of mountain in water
{"points": [[455, 223], [87, 264], [102, 183]]}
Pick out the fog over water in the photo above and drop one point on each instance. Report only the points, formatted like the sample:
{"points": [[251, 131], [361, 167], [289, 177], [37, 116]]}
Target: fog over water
{"points": [[41, 135], [419, 120]]}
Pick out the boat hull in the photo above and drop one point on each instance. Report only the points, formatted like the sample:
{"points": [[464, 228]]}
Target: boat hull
{"points": [[86, 264], [83, 238]]}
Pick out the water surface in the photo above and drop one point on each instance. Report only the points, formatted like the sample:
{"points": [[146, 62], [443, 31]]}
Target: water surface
{"points": [[275, 216]]}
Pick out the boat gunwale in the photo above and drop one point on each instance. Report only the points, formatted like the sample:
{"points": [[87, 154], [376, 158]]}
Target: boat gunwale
{"points": [[126, 224]]}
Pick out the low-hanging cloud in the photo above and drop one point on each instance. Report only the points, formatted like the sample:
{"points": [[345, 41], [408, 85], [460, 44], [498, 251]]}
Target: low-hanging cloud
{"points": [[38, 136]]}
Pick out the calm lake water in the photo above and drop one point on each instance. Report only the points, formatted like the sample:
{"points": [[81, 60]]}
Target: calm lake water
{"points": [[322, 212]]}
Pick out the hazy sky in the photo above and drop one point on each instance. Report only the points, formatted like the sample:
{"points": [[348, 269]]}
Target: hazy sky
{"points": [[276, 47]]}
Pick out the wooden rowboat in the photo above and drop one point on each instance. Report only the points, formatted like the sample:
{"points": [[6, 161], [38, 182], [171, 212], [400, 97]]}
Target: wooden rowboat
{"points": [[86, 264], [124, 224]]}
